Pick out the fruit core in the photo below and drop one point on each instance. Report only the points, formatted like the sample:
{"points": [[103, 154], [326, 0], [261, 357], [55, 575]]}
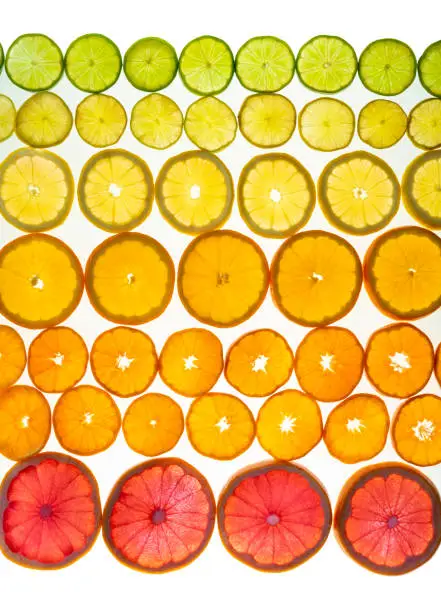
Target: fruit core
{"points": [[223, 424], [24, 421], [88, 418], [288, 424], [195, 192], [275, 195], [399, 362], [326, 362], [36, 282], [158, 516], [360, 193], [57, 359], [354, 425], [273, 519], [45, 511], [34, 190], [424, 430], [259, 364], [123, 362], [115, 190], [190, 362]]}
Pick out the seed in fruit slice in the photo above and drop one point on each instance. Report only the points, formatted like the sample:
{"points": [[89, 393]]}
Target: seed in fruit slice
{"points": [[421, 186], [124, 361], [100, 120], [326, 124], [115, 190], [153, 424], [267, 120], [194, 192], [156, 121], [7, 117], [34, 62], [424, 125], [316, 278], [36, 190], [210, 124], [402, 271], [165, 501], [381, 124], [41, 281], [93, 63], [206, 65], [429, 69], [43, 120], [265, 63], [387, 67], [150, 64], [191, 361], [130, 278], [223, 278], [12, 356]]}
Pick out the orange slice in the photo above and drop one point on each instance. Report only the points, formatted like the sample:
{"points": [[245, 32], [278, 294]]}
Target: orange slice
{"points": [[438, 364], [12, 356]]}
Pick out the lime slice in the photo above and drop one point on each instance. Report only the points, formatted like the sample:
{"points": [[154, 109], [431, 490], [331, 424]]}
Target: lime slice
{"points": [[100, 120], [210, 124], [327, 124], [7, 117], [265, 63], [156, 121], [424, 125], [421, 187], [387, 67], [206, 65], [381, 124], [34, 62], [93, 63], [43, 120], [267, 120], [151, 64], [327, 64], [429, 69]]}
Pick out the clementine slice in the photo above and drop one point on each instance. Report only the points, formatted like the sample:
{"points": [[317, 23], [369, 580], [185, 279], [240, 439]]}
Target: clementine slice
{"points": [[12, 356]]}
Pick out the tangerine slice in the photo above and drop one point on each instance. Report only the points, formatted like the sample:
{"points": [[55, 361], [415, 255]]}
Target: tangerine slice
{"points": [[223, 278], [421, 187], [259, 362], [388, 518], [274, 516], [50, 511], [159, 516], [399, 360], [316, 278], [267, 120], [12, 356], [438, 364], [191, 361], [220, 426]]}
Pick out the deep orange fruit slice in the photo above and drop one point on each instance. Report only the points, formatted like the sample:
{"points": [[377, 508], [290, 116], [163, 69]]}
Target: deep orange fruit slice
{"points": [[12, 356], [159, 516], [274, 516], [50, 511]]}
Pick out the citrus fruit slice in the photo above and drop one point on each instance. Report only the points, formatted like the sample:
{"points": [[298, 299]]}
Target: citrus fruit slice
{"points": [[150, 64], [267, 120], [402, 270], [358, 193], [100, 120], [265, 63], [220, 426], [388, 518], [274, 516], [41, 281], [36, 190], [381, 124], [34, 62], [356, 429], [124, 361], [258, 363], [159, 516], [50, 511], [129, 278], [289, 425], [57, 359], [275, 195], [223, 278], [12, 356], [7, 117], [387, 67], [327, 64], [316, 278], [429, 69], [399, 360], [327, 124], [86, 420], [424, 125], [93, 63], [194, 192], [210, 124], [156, 121], [206, 65], [191, 361], [43, 120], [153, 424], [421, 186]]}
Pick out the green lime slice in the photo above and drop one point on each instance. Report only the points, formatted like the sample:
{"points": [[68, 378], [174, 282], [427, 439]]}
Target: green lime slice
{"points": [[265, 64], [429, 69], [206, 65], [34, 62], [93, 63], [387, 67], [151, 64], [7, 117]]}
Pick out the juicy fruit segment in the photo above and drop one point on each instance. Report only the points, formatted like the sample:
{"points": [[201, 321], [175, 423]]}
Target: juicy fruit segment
{"points": [[43, 120], [150, 64], [156, 121], [387, 67], [100, 120], [7, 117], [429, 69], [267, 120], [265, 63], [421, 187], [327, 124], [424, 126], [381, 124], [12, 357], [93, 63], [210, 124], [34, 62], [206, 65]]}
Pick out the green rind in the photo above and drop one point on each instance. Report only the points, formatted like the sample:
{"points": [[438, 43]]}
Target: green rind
{"points": [[421, 60], [245, 45], [172, 74], [214, 91], [360, 68], [66, 62], [29, 88]]}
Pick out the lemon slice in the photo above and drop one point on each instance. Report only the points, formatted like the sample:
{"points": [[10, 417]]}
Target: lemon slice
{"points": [[93, 63], [206, 65], [387, 67], [156, 121], [421, 187], [151, 64], [34, 62], [267, 120], [210, 124], [7, 117], [424, 125], [100, 120], [327, 124], [43, 120], [429, 69], [265, 64], [381, 124]]}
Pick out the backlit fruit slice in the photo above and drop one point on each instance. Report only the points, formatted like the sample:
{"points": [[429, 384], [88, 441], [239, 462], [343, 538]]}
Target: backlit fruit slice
{"points": [[25, 422], [12, 356], [289, 425], [86, 420], [421, 187], [41, 281], [275, 194], [265, 63], [402, 270], [159, 516], [258, 363], [36, 190], [124, 361], [156, 121], [327, 124], [424, 126], [274, 516], [381, 124], [316, 278], [220, 426], [93, 63], [100, 120], [150, 64], [50, 511], [115, 190], [153, 424], [359, 193], [429, 69], [191, 361], [129, 278], [387, 67], [267, 120], [210, 124], [206, 65], [223, 278], [399, 360], [356, 430], [43, 120], [7, 117], [34, 62]]}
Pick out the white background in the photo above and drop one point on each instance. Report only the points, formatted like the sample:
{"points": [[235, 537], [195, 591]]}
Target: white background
{"points": [[216, 581]]}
